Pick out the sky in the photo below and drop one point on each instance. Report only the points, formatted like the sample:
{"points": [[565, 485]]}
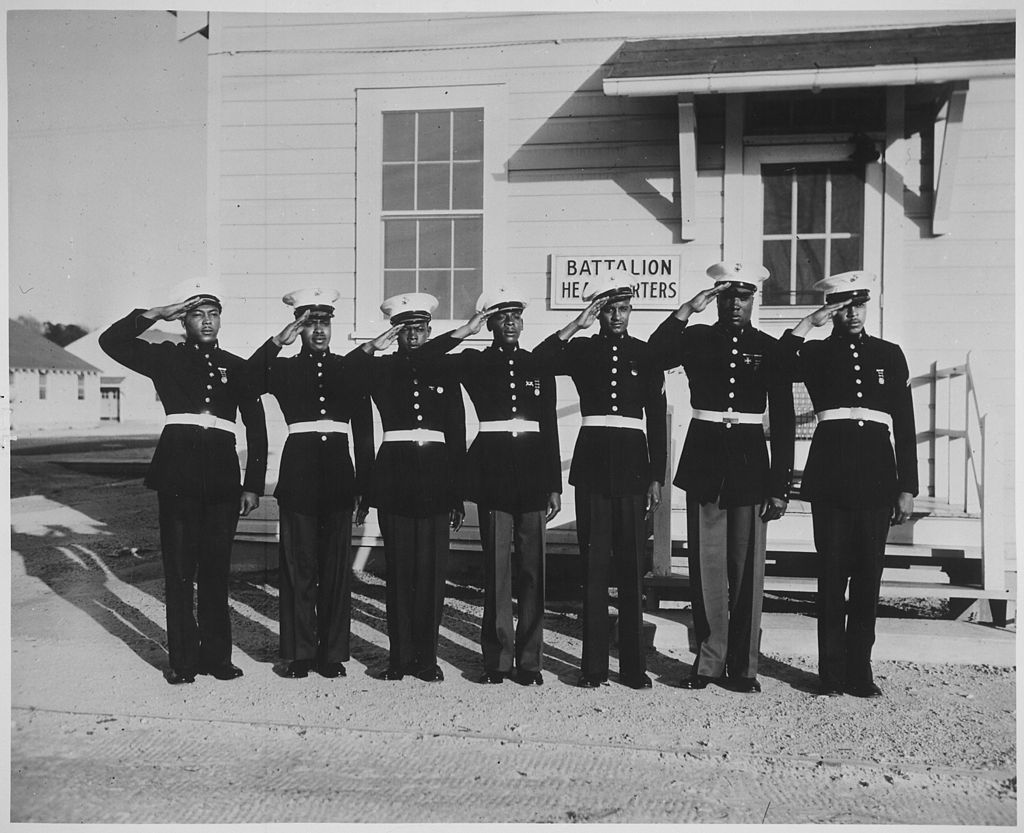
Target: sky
{"points": [[106, 163]]}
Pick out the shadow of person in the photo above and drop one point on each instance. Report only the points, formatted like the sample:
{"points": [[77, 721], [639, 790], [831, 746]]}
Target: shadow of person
{"points": [[77, 568]]}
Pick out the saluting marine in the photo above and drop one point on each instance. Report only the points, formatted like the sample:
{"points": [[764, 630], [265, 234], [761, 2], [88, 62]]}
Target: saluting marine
{"points": [[617, 469], [195, 470], [732, 490], [415, 485], [325, 401], [860, 388], [514, 475]]}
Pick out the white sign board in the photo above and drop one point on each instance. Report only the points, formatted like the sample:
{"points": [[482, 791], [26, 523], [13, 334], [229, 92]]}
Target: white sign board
{"points": [[656, 284]]}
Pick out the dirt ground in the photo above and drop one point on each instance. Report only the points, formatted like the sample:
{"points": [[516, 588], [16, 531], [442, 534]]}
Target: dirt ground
{"points": [[97, 736]]}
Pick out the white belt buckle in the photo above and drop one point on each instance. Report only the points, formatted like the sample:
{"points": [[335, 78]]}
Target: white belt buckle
{"points": [[730, 419]]}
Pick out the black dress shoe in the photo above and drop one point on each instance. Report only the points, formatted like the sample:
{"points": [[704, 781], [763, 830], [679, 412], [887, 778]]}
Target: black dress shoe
{"points": [[393, 673], [829, 689], [179, 677], [637, 682], [529, 678], [863, 690], [590, 681], [227, 671], [492, 678], [431, 675], [331, 669], [695, 682], [296, 669], [747, 685]]}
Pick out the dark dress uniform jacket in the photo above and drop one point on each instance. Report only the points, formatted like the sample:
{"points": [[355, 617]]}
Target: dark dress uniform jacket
{"points": [[191, 461], [729, 464], [614, 375], [408, 478], [316, 468], [511, 474], [852, 464]]}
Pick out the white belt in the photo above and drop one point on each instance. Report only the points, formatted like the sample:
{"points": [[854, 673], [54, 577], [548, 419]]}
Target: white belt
{"points": [[514, 426], [863, 414], [318, 426], [413, 435], [728, 417], [202, 420], [613, 421]]}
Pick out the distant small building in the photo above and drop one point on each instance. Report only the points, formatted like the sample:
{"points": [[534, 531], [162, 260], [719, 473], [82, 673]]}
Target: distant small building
{"points": [[126, 396], [49, 386]]}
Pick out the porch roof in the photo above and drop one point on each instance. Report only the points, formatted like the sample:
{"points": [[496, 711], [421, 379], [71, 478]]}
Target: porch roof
{"points": [[813, 60]]}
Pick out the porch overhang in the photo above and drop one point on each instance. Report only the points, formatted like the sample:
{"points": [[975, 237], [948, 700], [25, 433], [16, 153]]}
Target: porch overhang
{"points": [[688, 67], [813, 60]]}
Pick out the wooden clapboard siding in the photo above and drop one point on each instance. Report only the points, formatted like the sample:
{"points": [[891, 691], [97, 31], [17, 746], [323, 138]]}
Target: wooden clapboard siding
{"points": [[287, 211], [278, 187]]}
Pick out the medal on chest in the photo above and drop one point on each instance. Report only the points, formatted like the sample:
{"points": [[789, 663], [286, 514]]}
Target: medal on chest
{"points": [[881, 375], [223, 375]]}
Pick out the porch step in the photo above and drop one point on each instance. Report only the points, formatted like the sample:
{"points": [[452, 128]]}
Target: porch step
{"points": [[927, 584]]}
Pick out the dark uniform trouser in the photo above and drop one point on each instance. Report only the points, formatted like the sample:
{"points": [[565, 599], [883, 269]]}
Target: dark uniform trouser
{"points": [[851, 549], [416, 563], [725, 553], [500, 643], [316, 585], [195, 540], [604, 525]]}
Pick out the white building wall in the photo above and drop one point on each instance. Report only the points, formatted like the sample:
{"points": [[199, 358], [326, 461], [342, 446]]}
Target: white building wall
{"points": [[62, 408], [585, 172]]}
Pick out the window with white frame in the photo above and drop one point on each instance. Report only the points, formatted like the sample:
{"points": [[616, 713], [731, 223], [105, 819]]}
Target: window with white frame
{"points": [[813, 227], [42, 383], [432, 206], [81, 386], [430, 171]]}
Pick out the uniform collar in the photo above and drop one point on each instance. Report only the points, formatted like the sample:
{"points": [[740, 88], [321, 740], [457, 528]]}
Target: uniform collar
{"points": [[843, 338], [613, 336], [203, 348], [730, 331], [502, 348], [312, 356]]}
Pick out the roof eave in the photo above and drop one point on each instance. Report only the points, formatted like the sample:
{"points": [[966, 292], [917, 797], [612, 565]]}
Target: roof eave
{"points": [[808, 79]]}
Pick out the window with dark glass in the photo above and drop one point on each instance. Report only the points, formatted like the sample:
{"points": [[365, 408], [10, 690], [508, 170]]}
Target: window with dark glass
{"points": [[432, 206], [42, 384], [813, 227], [81, 386]]}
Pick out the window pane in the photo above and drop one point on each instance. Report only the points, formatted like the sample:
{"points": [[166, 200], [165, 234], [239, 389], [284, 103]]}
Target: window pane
{"points": [[468, 185], [468, 141], [848, 201], [469, 242], [399, 244], [433, 187], [438, 283], [846, 255], [399, 135], [778, 199], [398, 184], [810, 266], [398, 282], [775, 291], [810, 202], [468, 286], [435, 135], [435, 244]]}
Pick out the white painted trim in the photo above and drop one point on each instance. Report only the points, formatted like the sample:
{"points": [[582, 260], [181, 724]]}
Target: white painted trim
{"points": [[949, 128], [370, 104], [813, 79], [893, 291], [752, 199], [687, 166], [214, 123]]}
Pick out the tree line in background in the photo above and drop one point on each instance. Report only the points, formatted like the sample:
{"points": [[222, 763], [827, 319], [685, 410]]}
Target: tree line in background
{"points": [[60, 334]]}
